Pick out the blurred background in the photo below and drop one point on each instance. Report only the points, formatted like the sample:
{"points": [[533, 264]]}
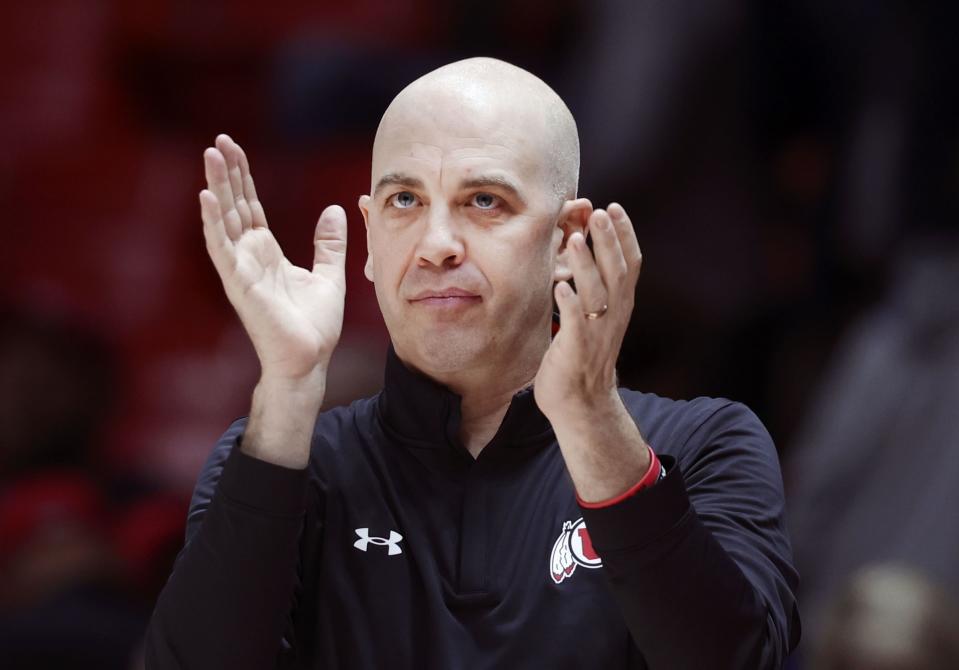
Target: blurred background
{"points": [[792, 169]]}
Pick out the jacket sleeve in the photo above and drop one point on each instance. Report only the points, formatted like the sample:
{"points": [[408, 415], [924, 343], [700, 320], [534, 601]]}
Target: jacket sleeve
{"points": [[228, 602], [700, 563]]}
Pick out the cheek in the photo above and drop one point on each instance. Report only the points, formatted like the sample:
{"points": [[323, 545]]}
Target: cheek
{"points": [[390, 254], [518, 267]]}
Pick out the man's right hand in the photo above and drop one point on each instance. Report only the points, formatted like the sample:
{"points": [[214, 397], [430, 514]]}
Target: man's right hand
{"points": [[293, 316]]}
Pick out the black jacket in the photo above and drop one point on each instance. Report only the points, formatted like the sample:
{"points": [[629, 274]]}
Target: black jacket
{"points": [[394, 548]]}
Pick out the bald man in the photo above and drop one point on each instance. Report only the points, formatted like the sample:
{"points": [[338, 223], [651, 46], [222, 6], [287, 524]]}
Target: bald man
{"points": [[500, 503]]}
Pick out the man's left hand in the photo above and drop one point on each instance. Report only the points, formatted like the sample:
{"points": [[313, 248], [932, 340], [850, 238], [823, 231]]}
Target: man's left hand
{"points": [[576, 384], [579, 368]]}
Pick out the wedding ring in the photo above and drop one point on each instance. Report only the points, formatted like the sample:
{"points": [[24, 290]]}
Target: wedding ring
{"points": [[598, 313]]}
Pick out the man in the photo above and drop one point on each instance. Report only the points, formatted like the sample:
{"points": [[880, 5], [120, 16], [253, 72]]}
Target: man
{"points": [[443, 523]]}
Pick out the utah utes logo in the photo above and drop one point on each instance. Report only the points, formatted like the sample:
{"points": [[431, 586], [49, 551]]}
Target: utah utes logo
{"points": [[573, 547]]}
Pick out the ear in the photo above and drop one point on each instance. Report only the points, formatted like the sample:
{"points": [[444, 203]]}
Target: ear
{"points": [[573, 217], [364, 205]]}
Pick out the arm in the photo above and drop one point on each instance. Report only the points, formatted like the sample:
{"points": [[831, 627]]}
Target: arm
{"points": [[232, 589], [228, 601], [689, 599], [700, 562]]}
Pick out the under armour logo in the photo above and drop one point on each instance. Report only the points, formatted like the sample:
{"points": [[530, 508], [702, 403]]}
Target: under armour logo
{"points": [[365, 540]]}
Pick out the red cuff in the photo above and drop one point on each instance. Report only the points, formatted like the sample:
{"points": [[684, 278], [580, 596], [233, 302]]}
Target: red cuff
{"points": [[647, 480]]}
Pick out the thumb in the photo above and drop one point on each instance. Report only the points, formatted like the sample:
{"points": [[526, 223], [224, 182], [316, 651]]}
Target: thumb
{"points": [[570, 311], [329, 241]]}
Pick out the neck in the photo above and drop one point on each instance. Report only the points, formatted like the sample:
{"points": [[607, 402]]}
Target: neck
{"points": [[482, 413], [487, 389]]}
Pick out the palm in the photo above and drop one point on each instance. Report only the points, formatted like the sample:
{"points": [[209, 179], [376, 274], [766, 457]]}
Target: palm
{"points": [[293, 316], [551, 383]]}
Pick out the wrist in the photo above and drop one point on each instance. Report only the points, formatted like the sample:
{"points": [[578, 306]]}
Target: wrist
{"points": [[654, 472], [307, 387], [603, 447], [582, 411], [282, 418]]}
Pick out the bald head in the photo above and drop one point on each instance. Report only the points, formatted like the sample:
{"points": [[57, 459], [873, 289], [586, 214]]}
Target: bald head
{"points": [[489, 99], [473, 197]]}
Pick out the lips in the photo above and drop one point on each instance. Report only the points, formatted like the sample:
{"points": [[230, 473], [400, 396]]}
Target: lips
{"points": [[451, 301], [450, 294]]}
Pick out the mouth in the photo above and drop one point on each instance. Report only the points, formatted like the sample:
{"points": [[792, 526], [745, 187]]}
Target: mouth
{"points": [[446, 298]]}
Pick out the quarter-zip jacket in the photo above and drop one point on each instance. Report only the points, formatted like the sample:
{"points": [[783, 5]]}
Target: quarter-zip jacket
{"points": [[395, 548]]}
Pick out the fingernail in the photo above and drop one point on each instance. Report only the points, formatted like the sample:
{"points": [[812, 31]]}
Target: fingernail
{"points": [[564, 289], [603, 221], [615, 211]]}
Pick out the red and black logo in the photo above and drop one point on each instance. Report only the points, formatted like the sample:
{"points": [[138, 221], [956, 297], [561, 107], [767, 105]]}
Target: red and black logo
{"points": [[573, 547]]}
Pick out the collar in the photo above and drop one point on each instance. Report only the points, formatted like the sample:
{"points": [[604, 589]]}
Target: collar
{"points": [[418, 409]]}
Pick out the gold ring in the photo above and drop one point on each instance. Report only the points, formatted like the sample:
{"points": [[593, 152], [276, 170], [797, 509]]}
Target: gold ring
{"points": [[598, 313]]}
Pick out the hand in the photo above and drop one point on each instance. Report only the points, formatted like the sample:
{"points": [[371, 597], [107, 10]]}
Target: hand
{"points": [[293, 316], [575, 387], [578, 372]]}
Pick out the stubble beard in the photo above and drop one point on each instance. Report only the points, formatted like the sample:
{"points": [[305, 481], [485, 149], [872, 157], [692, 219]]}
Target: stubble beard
{"points": [[455, 348]]}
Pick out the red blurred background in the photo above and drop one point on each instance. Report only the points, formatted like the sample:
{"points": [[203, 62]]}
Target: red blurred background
{"points": [[779, 160]]}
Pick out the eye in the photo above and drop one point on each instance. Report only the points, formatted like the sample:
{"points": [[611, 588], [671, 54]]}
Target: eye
{"points": [[485, 201], [402, 200]]}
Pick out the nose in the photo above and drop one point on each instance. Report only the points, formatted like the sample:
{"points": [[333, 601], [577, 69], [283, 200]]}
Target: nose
{"points": [[441, 244]]}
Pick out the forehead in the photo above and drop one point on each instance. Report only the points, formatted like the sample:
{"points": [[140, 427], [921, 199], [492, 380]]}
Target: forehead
{"points": [[453, 131]]}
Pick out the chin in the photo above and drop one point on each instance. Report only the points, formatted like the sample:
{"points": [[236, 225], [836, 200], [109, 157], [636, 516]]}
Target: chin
{"points": [[450, 352]]}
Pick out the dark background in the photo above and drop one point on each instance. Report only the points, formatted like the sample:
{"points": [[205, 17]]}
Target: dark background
{"points": [[777, 159]]}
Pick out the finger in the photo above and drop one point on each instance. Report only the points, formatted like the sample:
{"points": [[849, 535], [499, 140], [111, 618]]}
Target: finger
{"points": [[218, 243], [571, 319], [626, 234], [230, 151], [329, 242], [609, 255], [249, 190], [218, 182], [226, 146], [589, 284]]}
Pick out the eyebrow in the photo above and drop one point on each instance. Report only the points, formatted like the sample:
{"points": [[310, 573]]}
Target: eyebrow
{"points": [[496, 181], [396, 179]]}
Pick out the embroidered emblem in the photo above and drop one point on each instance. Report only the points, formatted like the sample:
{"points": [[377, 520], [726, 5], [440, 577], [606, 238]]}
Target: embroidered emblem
{"points": [[365, 541], [573, 547]]}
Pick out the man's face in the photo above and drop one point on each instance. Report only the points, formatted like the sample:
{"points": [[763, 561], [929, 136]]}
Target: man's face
{"points": [[462, 230]]}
